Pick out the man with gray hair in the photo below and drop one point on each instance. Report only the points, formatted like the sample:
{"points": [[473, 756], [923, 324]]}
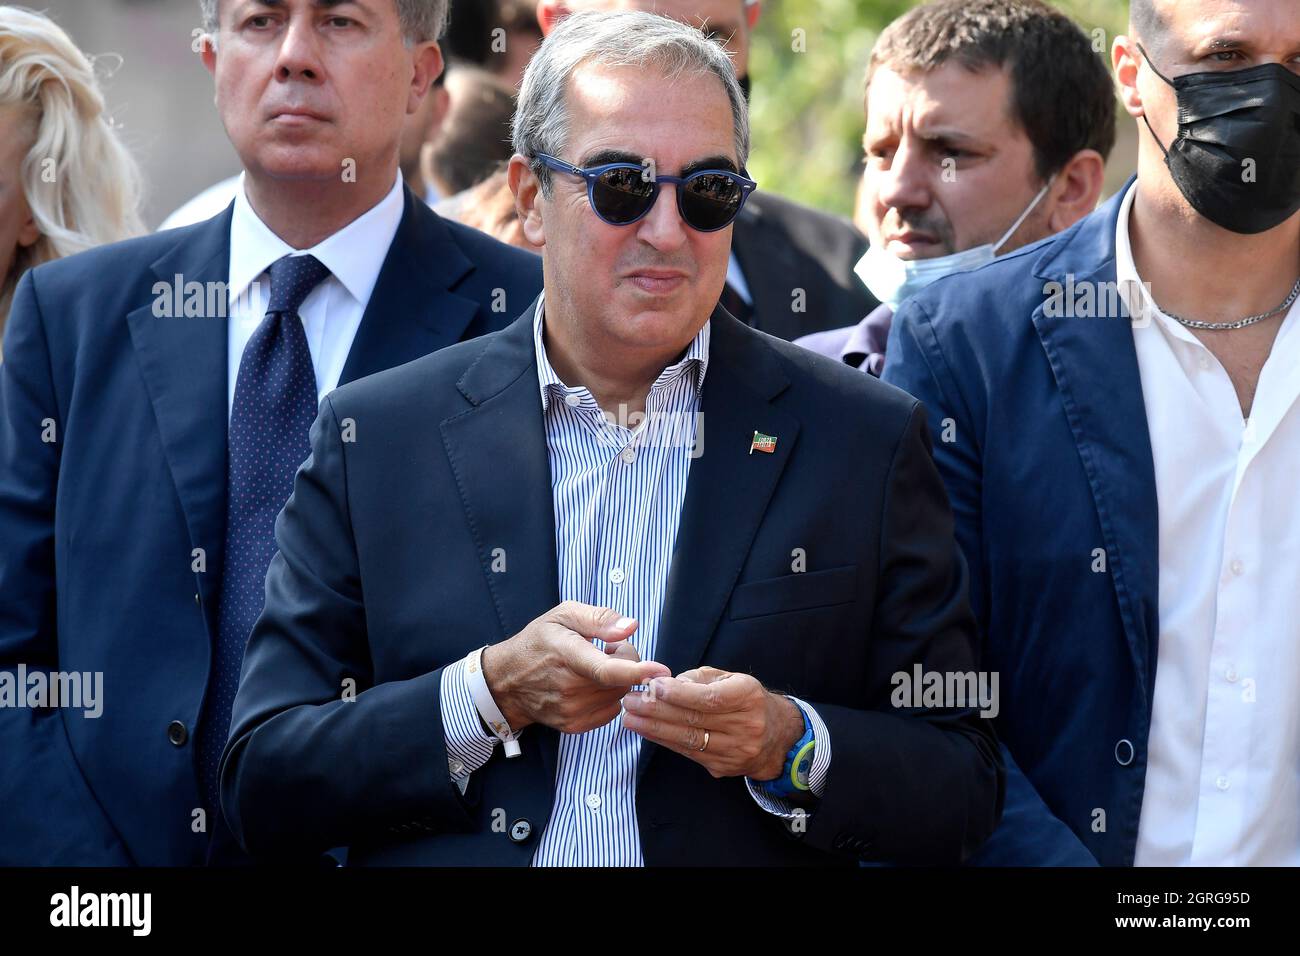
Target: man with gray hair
{"points": [[791, 267], [609, 587], [155, 402]]}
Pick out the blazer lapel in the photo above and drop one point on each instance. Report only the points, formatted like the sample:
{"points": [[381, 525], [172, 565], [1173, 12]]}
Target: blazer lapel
{"points": [[498, 454], [770, 270], [1094, 362], [412, 311], [183, 362], [727, 492]]}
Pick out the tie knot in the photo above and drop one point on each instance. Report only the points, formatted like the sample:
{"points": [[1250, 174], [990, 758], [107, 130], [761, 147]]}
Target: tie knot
{"points": [[292, 279]]}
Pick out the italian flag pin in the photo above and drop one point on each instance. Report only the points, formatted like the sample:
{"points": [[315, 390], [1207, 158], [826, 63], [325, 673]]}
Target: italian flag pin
{"points": [[763, 443]]}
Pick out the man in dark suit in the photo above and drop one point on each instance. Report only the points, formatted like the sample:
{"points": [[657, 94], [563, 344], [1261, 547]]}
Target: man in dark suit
{"points": [[631, 467], [1121, 459], [988, 127], [154, 406], [791, 268]]}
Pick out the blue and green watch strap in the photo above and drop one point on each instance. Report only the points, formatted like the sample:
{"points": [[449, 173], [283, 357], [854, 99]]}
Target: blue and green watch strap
{"points": [[793, 780]]}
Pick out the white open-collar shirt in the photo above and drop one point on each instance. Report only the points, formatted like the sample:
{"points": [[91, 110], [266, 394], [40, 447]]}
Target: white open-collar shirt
{"points": [[1223, 766]]}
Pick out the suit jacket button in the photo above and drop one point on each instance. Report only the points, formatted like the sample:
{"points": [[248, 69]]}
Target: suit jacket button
{"points": [[1124, 753], [177, 733], [520, 830]]}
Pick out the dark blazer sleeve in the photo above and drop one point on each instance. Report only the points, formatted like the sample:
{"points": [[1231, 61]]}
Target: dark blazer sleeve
{"points": [[1029, 833], [48, 814], [919, 785], [303, 764]]}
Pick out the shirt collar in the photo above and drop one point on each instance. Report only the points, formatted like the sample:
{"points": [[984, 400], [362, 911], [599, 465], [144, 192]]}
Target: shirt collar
{"points": [[1130, 283], [868, 337], [694, 363], [354, 255]]}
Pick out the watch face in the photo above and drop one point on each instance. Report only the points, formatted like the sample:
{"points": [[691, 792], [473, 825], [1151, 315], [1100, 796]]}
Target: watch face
{"points": [[801, 773], [803, 767]]}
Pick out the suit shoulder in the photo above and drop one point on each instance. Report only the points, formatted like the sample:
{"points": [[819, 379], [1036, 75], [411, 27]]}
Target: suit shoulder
{"points": [[485, 249], [830, 342], [828, 383], [112, 262], [1002, 295], [798, 218], [420, 383]]}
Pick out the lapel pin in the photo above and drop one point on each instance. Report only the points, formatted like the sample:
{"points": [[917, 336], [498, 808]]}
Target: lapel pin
{"points": [[763, 443]]}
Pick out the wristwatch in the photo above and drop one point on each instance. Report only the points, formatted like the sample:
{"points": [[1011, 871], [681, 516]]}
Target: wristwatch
{"points": [[793, 780]]}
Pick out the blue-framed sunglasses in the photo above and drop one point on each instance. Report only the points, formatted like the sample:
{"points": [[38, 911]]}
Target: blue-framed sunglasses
{"points": [[620, 193]]}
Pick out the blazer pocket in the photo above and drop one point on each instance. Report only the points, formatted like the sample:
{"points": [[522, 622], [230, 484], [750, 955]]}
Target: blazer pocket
{"points": [[795, 592]]}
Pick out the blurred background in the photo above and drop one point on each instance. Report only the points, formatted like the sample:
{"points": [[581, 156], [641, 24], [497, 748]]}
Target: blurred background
{"points": [[807, 65]]}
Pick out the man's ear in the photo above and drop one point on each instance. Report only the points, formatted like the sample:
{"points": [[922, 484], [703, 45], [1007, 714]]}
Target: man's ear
{"points": [[1125, 60], [1077, 189], [208, 52], [428, 67], [549, 13], [528, 199]]}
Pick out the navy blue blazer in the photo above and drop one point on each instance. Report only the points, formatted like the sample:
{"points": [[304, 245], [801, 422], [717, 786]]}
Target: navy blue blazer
{"points": [[1050, 473], [97, 528], [386, 574]]}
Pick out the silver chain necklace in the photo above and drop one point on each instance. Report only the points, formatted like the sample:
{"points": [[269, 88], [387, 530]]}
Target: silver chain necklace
{"points": [[1240, 323]]}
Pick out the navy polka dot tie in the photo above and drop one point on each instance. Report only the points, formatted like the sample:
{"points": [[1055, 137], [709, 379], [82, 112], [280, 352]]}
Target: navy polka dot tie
{"points": [[275, 404]]}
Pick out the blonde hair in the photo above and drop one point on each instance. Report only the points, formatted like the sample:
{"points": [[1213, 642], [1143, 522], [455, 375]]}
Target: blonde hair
{"points": [[79, 180]]}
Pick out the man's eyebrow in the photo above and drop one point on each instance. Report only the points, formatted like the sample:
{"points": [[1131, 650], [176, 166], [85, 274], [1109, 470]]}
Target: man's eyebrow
{"points": [[953, 137], [320, 4], [604, 156], [1221, 44], [709, 162]]}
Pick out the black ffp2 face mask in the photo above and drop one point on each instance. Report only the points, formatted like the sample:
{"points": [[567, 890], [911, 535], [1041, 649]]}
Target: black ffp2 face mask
{"points": [[1236, 158]]}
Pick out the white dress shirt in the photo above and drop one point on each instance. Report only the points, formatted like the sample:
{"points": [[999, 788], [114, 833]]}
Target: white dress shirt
{"points": [[736, 279], [1223, 771], [331, 313], [617, 495]]}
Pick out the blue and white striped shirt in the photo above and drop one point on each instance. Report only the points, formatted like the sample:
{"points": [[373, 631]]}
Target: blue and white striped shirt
{"points": [[618, 483]]}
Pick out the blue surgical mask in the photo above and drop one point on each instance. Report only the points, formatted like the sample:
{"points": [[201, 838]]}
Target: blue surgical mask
{"points": [[891, 279]]}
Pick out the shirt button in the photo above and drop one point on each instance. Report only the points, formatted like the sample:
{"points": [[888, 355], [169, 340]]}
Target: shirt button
{"points": [[628, 455], [1222, 783], [593, 801], [1231, 675], [616, 576], [1237, 567], [455, 766], [572, 400]]}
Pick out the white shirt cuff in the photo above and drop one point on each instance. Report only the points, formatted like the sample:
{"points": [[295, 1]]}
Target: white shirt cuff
{"points": [[468, 745]]}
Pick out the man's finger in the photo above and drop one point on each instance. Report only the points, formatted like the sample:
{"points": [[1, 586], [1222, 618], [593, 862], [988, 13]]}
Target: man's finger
{"points": [[588, 621], [686, 741], [611, 670], [703, 675], [722, 694], [644, 704], [623, 650]]}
